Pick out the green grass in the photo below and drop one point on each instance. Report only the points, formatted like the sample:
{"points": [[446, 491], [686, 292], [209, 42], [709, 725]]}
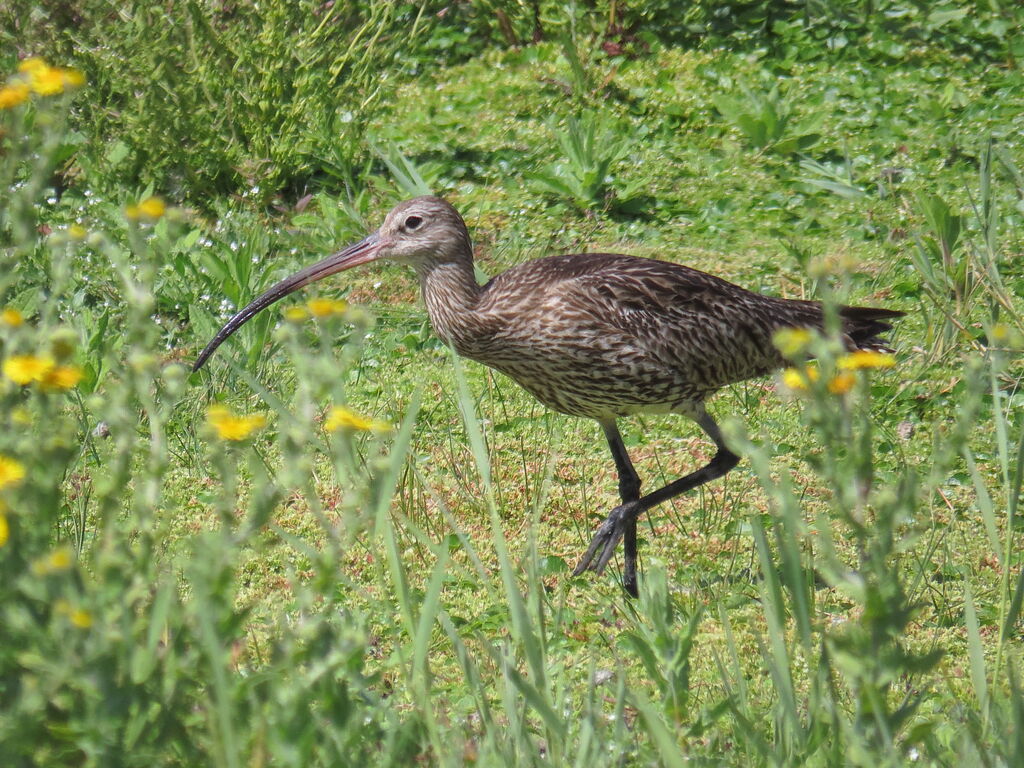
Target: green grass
{"points": [[849, 595]]}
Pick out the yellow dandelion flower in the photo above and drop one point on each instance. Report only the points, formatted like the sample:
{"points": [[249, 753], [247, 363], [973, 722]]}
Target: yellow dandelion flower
{"points": [[1004, 335], [791, 341], [5, 529], [865, 358], [295, 314], [11, 317], [32, 64], [24, 369], [62, 377], [842, 383], [77, 233], [73, 78], [60, 559], [341, 418], [46, 80], [14, 94], [152, 208], [324, 307], [79, 617], [232, 426], [799, 378], [12, 471]]}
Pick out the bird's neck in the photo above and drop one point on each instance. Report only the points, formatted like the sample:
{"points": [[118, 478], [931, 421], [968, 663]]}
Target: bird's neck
{"points": [[451, 293]]}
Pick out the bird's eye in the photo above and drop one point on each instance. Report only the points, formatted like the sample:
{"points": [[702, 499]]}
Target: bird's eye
{"points": [[413, 222]]}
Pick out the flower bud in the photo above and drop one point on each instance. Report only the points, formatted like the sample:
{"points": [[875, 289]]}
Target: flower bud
{"points": [[63, 343]]}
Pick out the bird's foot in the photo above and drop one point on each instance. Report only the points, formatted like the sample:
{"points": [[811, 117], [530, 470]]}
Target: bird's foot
{"points": [[608, 536]]}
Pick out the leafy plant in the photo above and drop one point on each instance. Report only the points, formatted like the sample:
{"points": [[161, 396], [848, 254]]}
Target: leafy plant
{"points": [[945, 228], [406, 175], [960, 267], [592, 145], [767, 121], [263, 95], [838, 181]]}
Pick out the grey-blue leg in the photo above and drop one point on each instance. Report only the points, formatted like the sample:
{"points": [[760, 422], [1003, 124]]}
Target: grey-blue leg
{"points": [[621, 523], [629, 490]]}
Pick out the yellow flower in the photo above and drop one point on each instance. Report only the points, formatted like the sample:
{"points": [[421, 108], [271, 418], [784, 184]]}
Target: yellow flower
{"points": [[73, 78], [49, 81], [231, 426], [12, 471], [46, 80], [62, 377], [1006, 336], [324, 307], [14, 94], [344, 419], [791, 341], [32, 64], [295, 314], [5, 529], [799, 379], [77, 232], [11, 317], [58, 560], [865, 358], [152, 208], [842, 383], [80, 617], [24, 369]]}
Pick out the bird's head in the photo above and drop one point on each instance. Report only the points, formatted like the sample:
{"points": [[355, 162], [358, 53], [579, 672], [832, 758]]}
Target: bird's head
{"points": [[424, 233]]}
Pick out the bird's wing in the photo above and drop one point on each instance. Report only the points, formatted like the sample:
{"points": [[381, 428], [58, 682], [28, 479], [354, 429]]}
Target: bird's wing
{"points": [[686, 319]]}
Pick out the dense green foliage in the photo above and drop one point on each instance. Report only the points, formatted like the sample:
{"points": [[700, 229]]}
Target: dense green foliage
{"points": [[323, 591], [277, 97]]}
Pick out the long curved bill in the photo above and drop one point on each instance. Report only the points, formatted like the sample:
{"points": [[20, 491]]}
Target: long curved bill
{"points": [[354, 255]]}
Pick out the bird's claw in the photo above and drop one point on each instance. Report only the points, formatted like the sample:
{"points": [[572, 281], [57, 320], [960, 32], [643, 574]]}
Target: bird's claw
{"points": [[606, 539]]}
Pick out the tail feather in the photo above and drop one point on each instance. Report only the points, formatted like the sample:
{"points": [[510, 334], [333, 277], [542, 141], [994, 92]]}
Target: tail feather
{"points": [[862, 326]]}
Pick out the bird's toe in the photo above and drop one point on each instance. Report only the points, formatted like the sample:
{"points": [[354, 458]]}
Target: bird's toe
{"points": [[587, 562], [606, 539]]}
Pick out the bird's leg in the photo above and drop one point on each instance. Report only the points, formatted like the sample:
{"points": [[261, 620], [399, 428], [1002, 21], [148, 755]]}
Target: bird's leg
{"points": [[629, 491], [623, 518]]}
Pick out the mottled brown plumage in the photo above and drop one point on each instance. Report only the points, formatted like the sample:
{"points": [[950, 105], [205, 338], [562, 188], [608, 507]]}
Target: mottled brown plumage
{"points": [[600, 335]]}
